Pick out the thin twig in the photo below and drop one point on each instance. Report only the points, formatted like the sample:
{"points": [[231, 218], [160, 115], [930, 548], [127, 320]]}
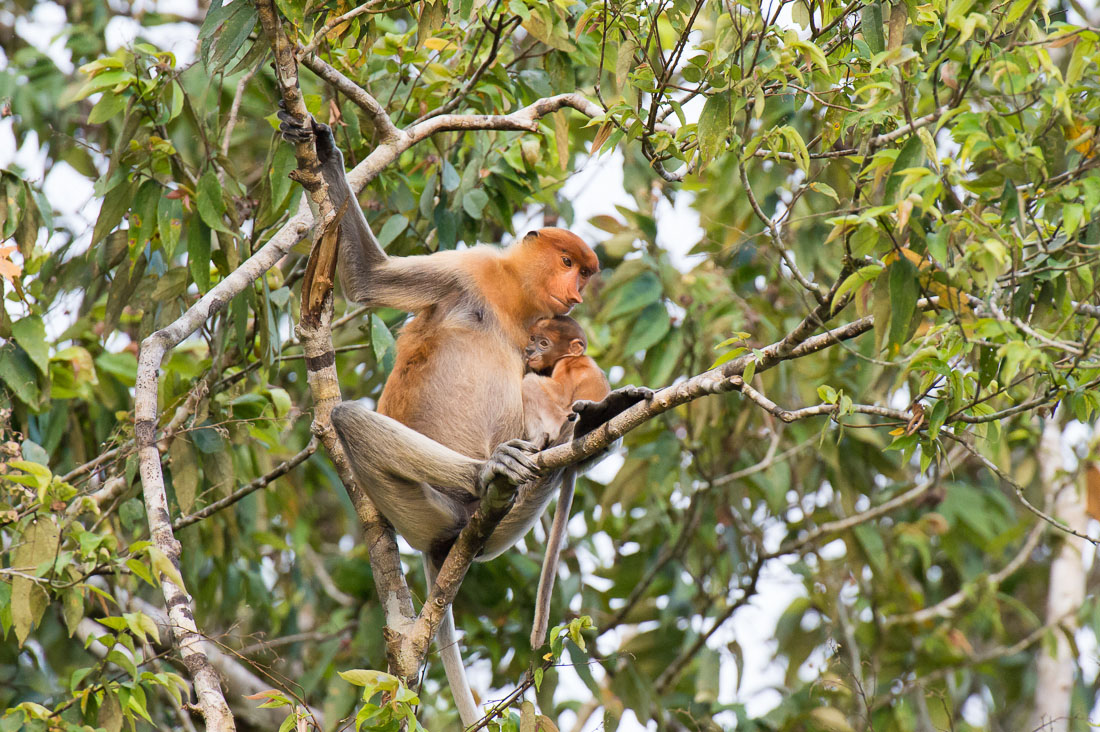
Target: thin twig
{"points": [[251, 487]]}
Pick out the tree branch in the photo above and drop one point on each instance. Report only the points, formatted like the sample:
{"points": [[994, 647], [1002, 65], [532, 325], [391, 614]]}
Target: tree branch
{"points": [[187, 637]]}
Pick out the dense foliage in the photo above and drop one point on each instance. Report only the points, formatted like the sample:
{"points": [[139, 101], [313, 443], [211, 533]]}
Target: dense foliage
{"points": [[928, 168]]}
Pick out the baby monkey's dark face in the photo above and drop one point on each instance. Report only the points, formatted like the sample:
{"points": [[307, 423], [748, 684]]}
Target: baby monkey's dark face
{"points": [[541, 353], [552, 339]]}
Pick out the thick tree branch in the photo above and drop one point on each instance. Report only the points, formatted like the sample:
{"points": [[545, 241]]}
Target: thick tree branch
{"points": [[385, 560], [315, 333], [187, 637], [375, 111]]}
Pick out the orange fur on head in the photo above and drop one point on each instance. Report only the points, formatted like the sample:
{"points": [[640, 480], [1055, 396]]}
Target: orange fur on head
{"points": [[554, 265]]}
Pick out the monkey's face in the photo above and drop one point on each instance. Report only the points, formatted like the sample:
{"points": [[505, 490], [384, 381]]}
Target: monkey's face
{"points": [[540, 353], [566, 282], [565, 263]]}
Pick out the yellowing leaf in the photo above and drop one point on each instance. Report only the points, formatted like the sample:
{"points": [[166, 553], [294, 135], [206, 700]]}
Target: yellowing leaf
{"points": [[9, 270], [439, 44]]}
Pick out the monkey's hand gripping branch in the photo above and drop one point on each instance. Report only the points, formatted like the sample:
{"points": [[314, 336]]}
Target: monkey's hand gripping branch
{"points": [[506, 469]]}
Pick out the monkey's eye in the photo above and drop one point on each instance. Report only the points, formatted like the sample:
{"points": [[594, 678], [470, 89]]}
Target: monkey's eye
{"points": [[532, 338], [567, 261], [545, 343], [585, 272]]}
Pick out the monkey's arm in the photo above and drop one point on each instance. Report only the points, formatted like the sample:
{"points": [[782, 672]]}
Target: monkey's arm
{"points": [[367, 274], [591, 415]]}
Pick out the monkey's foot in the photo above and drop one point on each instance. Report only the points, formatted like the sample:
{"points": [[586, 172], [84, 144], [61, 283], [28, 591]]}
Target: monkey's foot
{"points": [[509, 460], [591, 415]]}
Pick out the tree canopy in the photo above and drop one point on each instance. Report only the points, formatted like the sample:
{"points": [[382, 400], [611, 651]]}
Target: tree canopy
{"points": [[878, 360]]}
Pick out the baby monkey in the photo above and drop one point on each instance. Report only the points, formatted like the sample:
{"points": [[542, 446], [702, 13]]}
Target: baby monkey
{"points": [[559, 375]]}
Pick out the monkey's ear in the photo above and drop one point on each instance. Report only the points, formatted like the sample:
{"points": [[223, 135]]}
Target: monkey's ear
{"points": [[530, 234], [576, 347]]}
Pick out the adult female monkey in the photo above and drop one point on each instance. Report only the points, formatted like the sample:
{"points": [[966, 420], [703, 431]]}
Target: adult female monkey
{"points": [[452, 406]]}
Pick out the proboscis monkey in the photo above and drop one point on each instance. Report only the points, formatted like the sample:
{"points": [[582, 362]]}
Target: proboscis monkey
{"points": [[451, 412]]}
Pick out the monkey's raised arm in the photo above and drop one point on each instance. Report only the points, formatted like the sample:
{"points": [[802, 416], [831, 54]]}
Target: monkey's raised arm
{"points": [[369, 276]]}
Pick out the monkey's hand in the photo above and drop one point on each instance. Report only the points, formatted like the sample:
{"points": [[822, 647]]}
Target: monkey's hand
{"points": [[294, 132], [511, 461], [591, 415]]}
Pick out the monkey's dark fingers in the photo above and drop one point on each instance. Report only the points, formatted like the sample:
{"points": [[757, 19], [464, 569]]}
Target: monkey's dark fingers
{"points": [[290, 128], [637, 392], [583, 405], [518, 451], [289, 124], [512, 472], [511, 460]]}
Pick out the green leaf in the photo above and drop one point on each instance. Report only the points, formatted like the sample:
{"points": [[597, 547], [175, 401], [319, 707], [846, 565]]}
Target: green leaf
{"points": [[871, 26], [115, 204], [210, 204], [797, 147], [165, 567], [185, 473], [527, 718], [911, 155], [208, 440], [281, 400], [142, 571], [633, 295], [393, 228], [110, 712], [40, 542], [123, 661], [749, 372], [30, 333], [123, 366], [861, 276], [169, 224], [370, 679], [106, 108], [450, 177], [18, 372], [727, 357], [232, 34], [198, 254], [446, 228], [650, 327], [715, 124], [904, 290], [383, 343], [473, 203]]}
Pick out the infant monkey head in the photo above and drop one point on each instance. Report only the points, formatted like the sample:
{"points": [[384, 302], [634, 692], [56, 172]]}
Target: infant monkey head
{"points": [[551, 340]]}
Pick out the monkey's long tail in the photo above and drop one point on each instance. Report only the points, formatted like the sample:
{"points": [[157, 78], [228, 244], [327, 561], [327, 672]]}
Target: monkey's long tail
{"points": [[553, 555], [452, 659]]}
